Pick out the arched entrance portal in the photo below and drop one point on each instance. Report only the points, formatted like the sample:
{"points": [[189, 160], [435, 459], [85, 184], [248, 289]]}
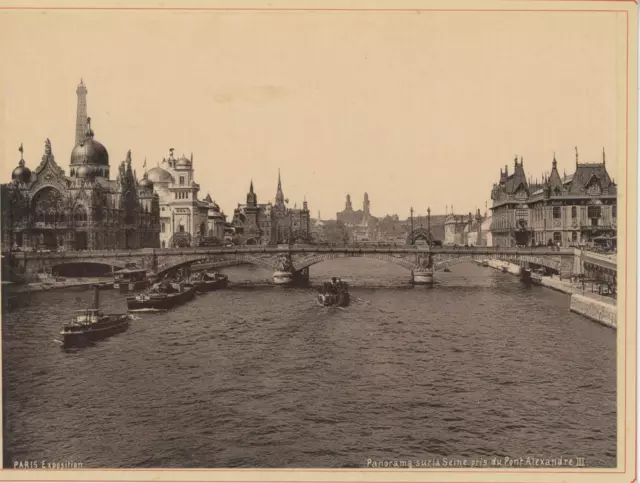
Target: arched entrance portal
{"points": [[48, 209]]}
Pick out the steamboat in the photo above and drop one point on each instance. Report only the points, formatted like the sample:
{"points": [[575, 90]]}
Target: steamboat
{"points": [[90, 325], [335, 292], [162, 296], [207, 281]]}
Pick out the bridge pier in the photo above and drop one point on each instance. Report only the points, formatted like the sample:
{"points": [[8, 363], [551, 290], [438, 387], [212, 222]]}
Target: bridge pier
{"points": [[422, 277]]}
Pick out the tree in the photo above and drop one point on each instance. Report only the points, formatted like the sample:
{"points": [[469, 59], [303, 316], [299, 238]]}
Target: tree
{"points": [[336, 232], [15, 209]]}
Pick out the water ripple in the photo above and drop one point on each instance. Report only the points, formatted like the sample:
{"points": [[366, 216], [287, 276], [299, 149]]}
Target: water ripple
{"points": [[257, 376]]}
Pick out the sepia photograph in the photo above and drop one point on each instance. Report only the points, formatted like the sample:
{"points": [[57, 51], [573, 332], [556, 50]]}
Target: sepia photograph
{"points": [[362, 241]]}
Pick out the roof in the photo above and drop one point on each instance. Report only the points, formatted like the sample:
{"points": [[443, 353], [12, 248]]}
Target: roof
{"points": [[159, 175], [588, 174]]}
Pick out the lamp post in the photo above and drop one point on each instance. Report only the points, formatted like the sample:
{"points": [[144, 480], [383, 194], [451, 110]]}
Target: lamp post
{"points": [[429, 225], [411, 234]]}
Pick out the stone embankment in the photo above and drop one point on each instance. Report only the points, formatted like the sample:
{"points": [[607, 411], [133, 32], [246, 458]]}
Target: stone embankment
{"points": [[53, 284], [593, 306]]}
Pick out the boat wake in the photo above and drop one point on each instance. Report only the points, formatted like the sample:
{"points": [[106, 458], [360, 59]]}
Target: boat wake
{"points": [[134, 317]]}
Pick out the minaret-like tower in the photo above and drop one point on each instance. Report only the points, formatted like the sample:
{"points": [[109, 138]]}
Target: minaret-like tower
{"points": [[81, 113], [366, 205]]}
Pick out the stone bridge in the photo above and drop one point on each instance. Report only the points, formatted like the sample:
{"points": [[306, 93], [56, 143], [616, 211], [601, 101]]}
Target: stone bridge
{"points": [[293, 259]]}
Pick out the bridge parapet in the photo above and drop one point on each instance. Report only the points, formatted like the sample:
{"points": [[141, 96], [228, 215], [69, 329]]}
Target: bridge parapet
{"points": [[300, 256]]}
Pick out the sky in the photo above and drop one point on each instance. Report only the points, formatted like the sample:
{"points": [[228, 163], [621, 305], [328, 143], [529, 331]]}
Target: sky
{"points": [[418, 109]]}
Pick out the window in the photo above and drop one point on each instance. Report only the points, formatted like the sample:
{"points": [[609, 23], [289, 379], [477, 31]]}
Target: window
{"points": [[521, 214], [594, 212], [163, 243], [574, 236], [574, 212], [181, 228], [557, 237], [181, 180], [614, 211], [163, 228], [557, 212]]}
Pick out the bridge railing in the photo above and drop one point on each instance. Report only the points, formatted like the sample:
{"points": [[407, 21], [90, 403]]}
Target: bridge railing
{"points": [[295, 249]]}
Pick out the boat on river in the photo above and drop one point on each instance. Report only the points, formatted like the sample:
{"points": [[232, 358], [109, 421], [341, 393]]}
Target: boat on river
{"points": [[536, 276], [90, 325], [208, 281], [162, 296], [335, 292], [131, 279]]}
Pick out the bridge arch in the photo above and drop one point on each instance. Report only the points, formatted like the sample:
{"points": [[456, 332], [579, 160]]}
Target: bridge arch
{"points": [[68, 267], [440, 262], [420, 236], [321, 257], [267, 263]]}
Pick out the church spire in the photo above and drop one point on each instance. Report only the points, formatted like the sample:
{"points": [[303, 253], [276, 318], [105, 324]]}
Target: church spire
{"points": [[279, 194], [252, 199], [81, 112]]}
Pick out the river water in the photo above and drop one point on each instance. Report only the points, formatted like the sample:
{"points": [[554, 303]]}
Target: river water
{"points": [[260, 376]]}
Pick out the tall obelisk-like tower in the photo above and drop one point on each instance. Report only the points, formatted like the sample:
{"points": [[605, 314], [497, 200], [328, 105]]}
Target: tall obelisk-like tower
{"points": [[81, 114]]}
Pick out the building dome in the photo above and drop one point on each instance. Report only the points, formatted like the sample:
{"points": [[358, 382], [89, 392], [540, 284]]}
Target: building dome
{"points": [[146, 183], [159, 175], [21, 173], [183, 162], [89, 151], [85, 171]]}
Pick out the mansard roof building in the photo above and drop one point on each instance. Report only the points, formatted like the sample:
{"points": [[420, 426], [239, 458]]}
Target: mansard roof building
{"points": [[563, 210]]}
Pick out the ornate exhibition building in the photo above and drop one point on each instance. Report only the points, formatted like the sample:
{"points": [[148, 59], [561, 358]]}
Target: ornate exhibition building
{"points": [[573, 210], [44, 208]]}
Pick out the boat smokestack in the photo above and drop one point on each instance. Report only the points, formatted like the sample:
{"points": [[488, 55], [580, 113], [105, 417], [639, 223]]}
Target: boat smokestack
{"points": [[96, 297]]}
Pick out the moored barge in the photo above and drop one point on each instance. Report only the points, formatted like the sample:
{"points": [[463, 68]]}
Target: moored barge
{"points": [[131, 279], [162, 296], [207, 281]]}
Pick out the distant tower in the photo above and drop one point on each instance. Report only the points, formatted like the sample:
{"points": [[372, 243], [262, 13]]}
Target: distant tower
{"points": [[279, 194], [347, 205], [365, 205], [81, 113], [252, 199]]}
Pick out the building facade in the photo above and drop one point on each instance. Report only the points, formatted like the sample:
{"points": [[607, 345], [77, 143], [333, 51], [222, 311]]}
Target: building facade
{"points": [[574, 210], [184, 219], [454, 228], [46, 209], [270, 223]]}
